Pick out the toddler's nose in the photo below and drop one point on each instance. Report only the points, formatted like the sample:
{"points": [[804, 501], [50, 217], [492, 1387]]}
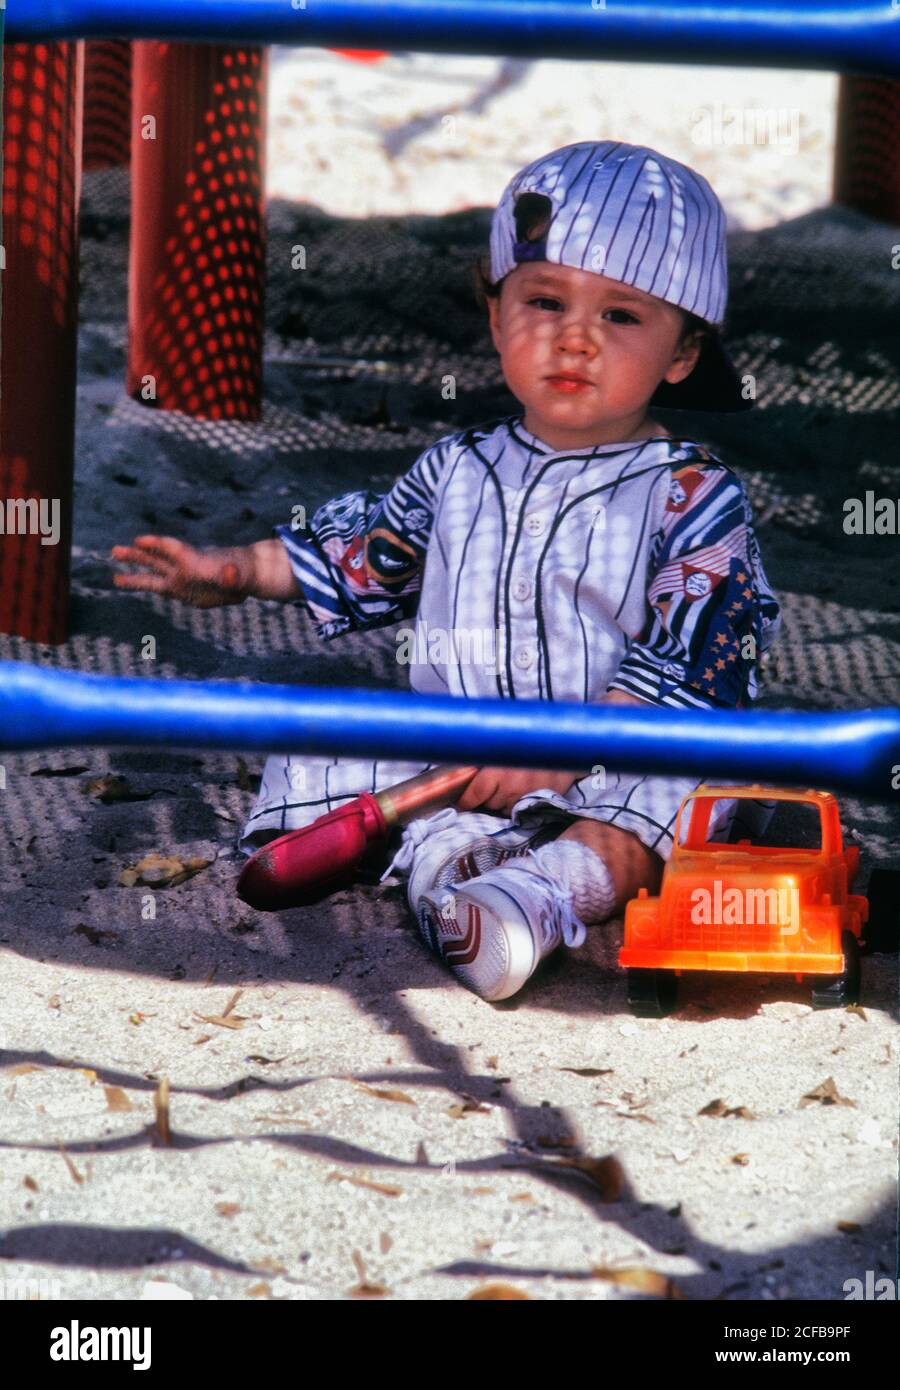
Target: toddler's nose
{"points": [[577, 334]]}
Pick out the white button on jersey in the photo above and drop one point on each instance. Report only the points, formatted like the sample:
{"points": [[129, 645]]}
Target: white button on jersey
{"points": [[521, 589], [524, 658], [535, 524]]}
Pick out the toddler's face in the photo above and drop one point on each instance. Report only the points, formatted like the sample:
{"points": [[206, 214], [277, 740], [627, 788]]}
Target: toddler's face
{"points": [[555, 321]]}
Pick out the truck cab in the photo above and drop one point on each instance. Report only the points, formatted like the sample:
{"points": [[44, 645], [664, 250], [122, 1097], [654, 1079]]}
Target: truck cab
{"points": [[748, 907]]}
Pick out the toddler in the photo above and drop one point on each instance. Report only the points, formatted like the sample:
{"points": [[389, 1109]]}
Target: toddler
{"points": [[595, 556]]}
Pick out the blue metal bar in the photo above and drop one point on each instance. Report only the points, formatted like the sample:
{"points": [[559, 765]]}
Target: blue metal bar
{"points": [[45, 709], [831, 34]]}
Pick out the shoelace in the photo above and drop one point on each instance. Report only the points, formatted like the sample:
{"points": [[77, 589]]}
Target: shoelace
{"points": [[557, 917], [413, 836]]}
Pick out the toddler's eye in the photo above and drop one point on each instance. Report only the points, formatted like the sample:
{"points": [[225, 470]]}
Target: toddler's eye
{"points": [[630, 318], [544, 299]]}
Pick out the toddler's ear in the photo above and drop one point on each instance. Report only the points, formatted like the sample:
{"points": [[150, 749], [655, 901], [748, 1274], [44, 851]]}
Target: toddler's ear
{"points": [[687, 355]]}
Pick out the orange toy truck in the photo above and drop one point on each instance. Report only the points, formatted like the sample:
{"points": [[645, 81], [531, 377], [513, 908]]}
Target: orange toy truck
{"points": [[748, 907]]}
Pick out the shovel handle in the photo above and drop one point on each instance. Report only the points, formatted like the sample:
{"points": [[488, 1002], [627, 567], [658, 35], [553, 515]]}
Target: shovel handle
{"points": [[439, 787]]}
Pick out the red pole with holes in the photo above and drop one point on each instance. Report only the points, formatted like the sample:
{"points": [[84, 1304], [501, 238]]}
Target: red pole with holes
{"points": [[42, 114], [197, 261], [107, 103], [867, 146]]}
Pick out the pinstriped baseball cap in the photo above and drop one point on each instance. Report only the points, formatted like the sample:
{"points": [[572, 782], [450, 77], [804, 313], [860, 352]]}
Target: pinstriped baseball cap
{"points": [[636, 216]]}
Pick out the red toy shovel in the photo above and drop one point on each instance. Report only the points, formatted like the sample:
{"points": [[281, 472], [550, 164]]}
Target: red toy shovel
{"points": [[306, 865]]}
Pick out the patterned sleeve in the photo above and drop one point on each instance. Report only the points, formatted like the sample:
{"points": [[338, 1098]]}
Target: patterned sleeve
{"points": [[359, 560], [711, 613]]}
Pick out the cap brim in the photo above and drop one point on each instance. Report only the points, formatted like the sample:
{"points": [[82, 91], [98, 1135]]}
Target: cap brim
{"points": [[714, 383]]}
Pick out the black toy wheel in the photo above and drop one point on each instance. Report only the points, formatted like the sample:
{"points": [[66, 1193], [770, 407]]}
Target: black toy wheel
{"points": [[837, 991], [882, 931], [652, 993]]}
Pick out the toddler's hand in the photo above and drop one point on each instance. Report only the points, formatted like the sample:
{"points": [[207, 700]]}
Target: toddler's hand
{"points": [[203, 578], [499, 788]]}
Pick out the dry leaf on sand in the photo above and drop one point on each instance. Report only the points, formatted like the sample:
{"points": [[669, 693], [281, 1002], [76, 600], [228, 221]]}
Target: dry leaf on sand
{"points": [[467, 1106], [382, 1092], [162, 871], [76, 1176], [607, 1173], [227, 1018], [110, 788], [717, 1109], [95, 937], [366, 1288], [386, 1189], [826, 1093], [233, 1021], [504, 1292], [648, 1281], [116, 1099], [161, 1103]]}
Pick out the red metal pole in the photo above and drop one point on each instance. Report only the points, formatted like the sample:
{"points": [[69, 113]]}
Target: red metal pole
{"points": [[42, 116], [197, 264], [107, 103], [867, 147]]}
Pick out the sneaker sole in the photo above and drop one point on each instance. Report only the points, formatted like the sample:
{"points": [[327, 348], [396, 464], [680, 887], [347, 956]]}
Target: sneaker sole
{"points": [[492, 950]]}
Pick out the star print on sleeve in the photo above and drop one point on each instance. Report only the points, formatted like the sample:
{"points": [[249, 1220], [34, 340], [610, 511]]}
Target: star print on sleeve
{"points": [[711, 613]]}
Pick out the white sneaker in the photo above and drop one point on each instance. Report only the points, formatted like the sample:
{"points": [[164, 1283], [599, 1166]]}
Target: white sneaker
{"points": [[453, 846], [494, 931]]}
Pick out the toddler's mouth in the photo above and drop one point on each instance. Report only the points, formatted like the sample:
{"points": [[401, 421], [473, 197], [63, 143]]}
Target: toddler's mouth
{"points": [[568, 382]]}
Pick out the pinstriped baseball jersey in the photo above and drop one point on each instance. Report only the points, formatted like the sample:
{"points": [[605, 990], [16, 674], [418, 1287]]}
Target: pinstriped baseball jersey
{"points": [[527, 572], [626, 565]]}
